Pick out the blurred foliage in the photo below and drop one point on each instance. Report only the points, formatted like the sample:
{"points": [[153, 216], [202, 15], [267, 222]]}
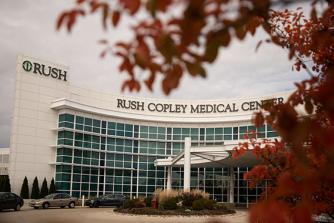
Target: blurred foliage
{"points": [[299, 165]]}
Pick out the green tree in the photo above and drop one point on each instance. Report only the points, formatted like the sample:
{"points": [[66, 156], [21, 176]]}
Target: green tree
{"points": [[44, 188], [25, 189], [35, 189], [52, 187]]}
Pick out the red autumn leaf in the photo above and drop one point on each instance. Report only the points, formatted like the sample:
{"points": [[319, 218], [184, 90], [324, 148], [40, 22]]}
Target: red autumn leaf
{"points": [[131, 5], [237, 152], [105, 14], [123, 45], [252, 24], [132, 85], [149, 82], [72, 18], [258, 119], [142, 54], [157, 5], [302, 214], [70, 21], [172, 78], [162, 5], [225, 38], [126, 65], [115, 18], [211, 51], [195, 69], [94, 5], [240, 32], [61, 20], [166, 46], [215, 40]]}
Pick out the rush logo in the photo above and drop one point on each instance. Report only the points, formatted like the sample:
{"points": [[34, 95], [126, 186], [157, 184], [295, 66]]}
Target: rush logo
{"points": [[42, 69]]}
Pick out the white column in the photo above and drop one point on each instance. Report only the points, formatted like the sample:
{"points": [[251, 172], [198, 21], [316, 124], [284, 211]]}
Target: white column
{"points": [[169, 177], [231, 188], [187, 164]]}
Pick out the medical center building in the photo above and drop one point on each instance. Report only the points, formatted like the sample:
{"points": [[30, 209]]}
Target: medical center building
{"points": [[95, 143]]}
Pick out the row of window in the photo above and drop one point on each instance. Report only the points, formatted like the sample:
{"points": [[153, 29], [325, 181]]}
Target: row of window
{"points": [[87, 141], [161, 133], [90, 181]]}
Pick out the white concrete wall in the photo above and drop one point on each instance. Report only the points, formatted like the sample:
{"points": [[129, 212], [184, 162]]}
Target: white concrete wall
{"points": [[32, 121]]}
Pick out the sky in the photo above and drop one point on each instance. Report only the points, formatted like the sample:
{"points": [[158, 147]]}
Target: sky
{"points": [[28, 27]]}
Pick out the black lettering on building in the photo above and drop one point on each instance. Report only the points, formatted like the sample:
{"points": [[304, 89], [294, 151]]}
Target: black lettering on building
{"points": [[120, 103], [54, 72], [245, 106], [194, 109], [62, 76], [46, 73], [37, 67]]}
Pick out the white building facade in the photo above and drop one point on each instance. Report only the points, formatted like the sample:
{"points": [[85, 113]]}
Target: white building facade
{"points": [[94, 143]]}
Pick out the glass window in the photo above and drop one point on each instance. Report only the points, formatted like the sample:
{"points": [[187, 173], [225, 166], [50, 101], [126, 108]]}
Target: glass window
{"points": [[227, 137], [210, 131], [143, 128], [69, 118], [96, 123], [96, 139], [88, 124], [88, 121], [120, 126], [153, 129], [262, 128], [177, 131], [272, 134], [161, 130], [185, 131], [243, 129], [79, 120], [227, 130], [128, 127], [111, 125], [62, 117], [218, 131]]}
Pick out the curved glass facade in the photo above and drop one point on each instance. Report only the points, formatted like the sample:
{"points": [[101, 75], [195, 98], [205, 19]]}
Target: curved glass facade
{"points": [[95, 157]]}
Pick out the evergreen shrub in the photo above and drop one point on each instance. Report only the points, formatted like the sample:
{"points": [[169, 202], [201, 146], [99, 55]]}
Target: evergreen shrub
{"points": [[25, 189], [35, 194], [44, 188]]}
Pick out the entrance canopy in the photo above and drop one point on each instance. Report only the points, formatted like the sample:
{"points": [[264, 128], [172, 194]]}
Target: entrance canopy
{"points": [[207, 156], [211, 156]]}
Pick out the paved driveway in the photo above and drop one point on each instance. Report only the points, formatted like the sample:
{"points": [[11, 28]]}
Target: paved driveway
{"points": [[103, 215]]}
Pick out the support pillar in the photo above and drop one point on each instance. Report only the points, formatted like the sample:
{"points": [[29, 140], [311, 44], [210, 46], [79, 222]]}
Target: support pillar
{"points": [[187, 164], [169, 178], [231, 186]]}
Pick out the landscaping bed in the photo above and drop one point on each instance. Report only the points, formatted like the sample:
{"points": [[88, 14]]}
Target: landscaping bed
{"points": [[179, 211], [173, 202]]}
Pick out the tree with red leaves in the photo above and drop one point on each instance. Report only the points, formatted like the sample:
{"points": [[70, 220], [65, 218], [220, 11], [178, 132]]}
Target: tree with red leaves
{"points": [[300, 165]]}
